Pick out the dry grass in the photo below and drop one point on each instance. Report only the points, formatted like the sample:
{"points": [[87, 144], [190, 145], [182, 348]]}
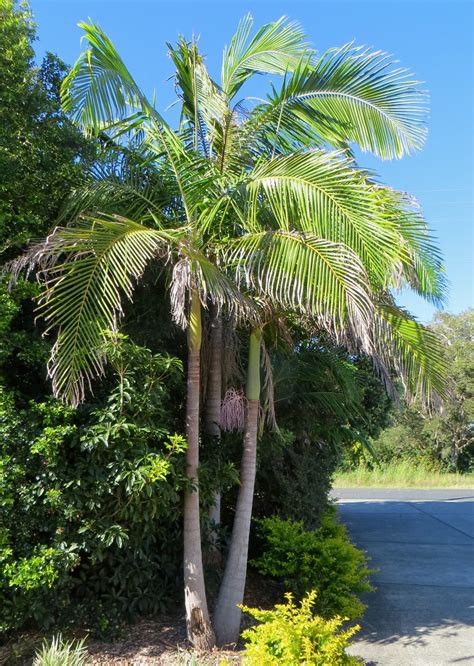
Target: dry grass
{"points": [[402, 475]]}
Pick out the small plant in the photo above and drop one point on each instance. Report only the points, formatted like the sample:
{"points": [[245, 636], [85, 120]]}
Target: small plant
{"points": [[324, 560], [292, 635], [61, 653]]}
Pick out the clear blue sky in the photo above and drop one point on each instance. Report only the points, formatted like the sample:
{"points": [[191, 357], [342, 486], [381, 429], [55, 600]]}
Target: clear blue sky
{"points": [[434, 38]]}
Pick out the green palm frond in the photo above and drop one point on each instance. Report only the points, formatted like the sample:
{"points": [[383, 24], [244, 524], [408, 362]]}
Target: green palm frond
{"points": [[203, 104], [420, 265], [99, 92], [322, 193], [213, 128], [87, 272], [413, 350], [351, 94], [276, 48], [273, 128], [305, 273]]}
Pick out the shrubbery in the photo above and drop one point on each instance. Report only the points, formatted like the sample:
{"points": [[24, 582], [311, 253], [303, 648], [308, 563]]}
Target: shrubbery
{"points": [[323, 560], [293, 635], [294, 477], [90, 500]]}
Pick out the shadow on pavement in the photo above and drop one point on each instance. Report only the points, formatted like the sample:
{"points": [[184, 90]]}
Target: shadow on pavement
{"points": [[424, 553]]}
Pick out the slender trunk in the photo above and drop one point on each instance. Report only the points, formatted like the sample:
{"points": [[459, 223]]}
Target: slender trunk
{"points": [[212, 413], [198, 625], [227, 614], [455, 456]]}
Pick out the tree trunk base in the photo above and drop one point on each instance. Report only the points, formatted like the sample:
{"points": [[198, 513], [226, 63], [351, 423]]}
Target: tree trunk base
{"points": [[200, 631]]}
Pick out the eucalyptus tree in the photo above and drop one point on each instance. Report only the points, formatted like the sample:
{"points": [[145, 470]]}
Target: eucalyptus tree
{"points": [[244, 200]]}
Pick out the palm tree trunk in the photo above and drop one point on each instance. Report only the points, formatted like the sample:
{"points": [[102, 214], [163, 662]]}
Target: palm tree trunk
{"points": [[212, 413], [198, 624], [227, 614]]}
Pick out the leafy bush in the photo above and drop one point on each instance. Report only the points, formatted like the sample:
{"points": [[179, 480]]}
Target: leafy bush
{"points": [[294, 478], [61, 653], [324, 560], [290, 635], [90, 500]]}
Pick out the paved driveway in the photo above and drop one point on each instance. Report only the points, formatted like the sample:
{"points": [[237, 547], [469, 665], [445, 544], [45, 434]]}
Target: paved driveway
{"points": [[422, 542]]}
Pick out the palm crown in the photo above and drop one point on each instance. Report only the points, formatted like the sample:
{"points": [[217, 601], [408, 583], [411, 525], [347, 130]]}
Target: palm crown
{"points": [[246, 197]]}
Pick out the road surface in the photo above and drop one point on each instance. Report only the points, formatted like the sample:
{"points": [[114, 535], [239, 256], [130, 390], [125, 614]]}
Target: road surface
{"points": [[422, 542]]}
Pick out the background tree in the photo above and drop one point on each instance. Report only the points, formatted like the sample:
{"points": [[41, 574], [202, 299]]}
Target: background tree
{"points": [[39, 146], [42, 157], [442, 439], [453, 429]]}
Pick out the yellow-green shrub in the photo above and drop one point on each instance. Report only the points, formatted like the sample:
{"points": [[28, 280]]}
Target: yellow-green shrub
{"points": [[292, 635], [324, 560]]}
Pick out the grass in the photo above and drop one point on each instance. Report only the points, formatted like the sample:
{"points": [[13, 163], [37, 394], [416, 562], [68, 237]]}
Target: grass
{"points": [[402, 475]]}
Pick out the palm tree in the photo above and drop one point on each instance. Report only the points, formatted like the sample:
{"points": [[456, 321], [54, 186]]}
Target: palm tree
{"points": [[242, 201], [347, 95]]}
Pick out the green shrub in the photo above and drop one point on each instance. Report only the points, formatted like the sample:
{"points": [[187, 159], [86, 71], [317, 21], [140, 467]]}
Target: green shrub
{"points": [[324, 560], [61, 653], [294, 477], [292, 635], [90, 501]]}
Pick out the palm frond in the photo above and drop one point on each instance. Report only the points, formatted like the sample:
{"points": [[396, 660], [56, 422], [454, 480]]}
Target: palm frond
{"points": [[276, 48], [352, 94], [203, 105], [420, 266], [87, 271], [100, 93], [99, 90], [413, 350], [305, 273], [323, 194]]}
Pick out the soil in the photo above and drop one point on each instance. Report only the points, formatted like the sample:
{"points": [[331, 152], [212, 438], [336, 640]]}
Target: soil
{"points": [[164, 641], [158, 642]]}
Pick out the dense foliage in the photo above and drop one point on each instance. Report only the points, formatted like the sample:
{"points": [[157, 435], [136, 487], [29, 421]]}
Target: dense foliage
{"points": [[293, 635], [323, 560], [42, 155], [91, 500], [325, 401]]}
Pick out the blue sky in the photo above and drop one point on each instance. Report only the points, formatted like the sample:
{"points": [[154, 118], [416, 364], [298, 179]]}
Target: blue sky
{"points": [[433, 38]]}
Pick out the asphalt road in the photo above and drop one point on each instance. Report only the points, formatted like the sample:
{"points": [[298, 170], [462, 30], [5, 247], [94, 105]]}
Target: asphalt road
{"points": [[422, 543]]}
